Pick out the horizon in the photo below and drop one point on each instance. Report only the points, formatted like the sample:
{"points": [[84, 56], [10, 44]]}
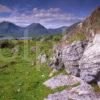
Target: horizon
{"points": [[30, 24], [50, 14]]}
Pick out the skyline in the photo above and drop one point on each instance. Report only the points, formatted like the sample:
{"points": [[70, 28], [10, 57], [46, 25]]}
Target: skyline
{"points": [[49, 13]]}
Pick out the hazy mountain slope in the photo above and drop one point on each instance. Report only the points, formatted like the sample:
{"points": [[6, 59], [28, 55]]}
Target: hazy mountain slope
{"points": [[10, 29], [88, 27], [35, 29], [58, 30]]}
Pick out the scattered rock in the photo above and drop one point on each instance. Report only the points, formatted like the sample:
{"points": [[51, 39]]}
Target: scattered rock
{"points": [[33, 48], [42, 58], [15, 50]]}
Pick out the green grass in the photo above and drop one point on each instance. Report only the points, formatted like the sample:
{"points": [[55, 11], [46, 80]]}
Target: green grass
{"points": [[96, 87], [65, 87], [19, 79], [77, 37]]}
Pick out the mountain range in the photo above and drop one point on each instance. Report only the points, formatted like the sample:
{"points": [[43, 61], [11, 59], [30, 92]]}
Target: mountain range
{"points": [[89, 27], [35, 29]]}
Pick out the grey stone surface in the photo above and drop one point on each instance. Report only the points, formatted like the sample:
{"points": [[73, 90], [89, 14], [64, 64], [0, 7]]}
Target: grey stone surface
{"points": [[62, 80], [56, 61], [81, 92], [71, 55], [90, 63], [42, 58]]}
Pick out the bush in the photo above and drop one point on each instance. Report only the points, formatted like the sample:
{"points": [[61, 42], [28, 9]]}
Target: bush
{"points": [[57, 37], [6, 44]]}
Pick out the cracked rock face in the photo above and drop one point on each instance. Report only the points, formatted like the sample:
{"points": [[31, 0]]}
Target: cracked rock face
{"points": [[62, 80], [71, 55], [90, 62], [81, 92]]}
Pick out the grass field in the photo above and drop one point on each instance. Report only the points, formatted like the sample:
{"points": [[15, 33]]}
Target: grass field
{"points": [[19, 79]]}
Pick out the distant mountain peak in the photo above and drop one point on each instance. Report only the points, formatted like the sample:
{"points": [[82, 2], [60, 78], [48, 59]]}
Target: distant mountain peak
{"points": [[35, 29]]}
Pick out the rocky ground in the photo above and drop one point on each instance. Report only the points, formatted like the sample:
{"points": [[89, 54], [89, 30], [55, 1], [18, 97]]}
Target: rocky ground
{"points": [[81, 61], [82, 92]]}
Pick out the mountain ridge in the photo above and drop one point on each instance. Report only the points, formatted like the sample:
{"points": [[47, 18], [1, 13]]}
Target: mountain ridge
{"points": [[34, 29]]}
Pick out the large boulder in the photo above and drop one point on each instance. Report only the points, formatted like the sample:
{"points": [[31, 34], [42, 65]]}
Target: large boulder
{"points": [[90, 62], [71, 55]]}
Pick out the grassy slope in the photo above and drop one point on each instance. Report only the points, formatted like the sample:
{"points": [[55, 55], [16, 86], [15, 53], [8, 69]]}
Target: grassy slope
{"points": [[19, 79]]}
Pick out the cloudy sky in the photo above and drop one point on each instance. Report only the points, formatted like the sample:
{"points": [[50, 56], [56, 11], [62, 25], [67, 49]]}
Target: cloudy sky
{"points": [[50, 13]]}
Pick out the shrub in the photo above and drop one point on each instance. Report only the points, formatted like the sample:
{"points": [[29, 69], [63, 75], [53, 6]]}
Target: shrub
{"points": [[6, 44]]}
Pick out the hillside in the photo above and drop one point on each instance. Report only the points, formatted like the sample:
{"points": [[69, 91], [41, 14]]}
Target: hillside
{"points": [[33, 30], [10, 29], [88, 27], [80, 57]]}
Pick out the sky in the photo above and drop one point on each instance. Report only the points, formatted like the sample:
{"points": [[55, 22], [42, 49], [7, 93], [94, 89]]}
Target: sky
{"points": [[50, 13]]}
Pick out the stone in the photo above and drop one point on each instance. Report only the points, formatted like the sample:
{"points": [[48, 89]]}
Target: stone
{"points": [[81, 92], [71, 54], [56, 61], [42, 58], [34, 48], [98, 83], [62, 80], [15, 50], [90, 62]]}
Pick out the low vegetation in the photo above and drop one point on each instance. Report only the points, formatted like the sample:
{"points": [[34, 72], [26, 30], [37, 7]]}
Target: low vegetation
{"points": [[20, 79], [77, 37]]}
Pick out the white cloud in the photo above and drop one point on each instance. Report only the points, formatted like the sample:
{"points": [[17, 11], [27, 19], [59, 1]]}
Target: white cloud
{"points": [[4, 9], [53, 17]]}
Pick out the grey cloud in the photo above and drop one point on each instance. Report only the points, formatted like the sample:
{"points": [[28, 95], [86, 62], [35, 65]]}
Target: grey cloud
{"points": [[50, 17]]}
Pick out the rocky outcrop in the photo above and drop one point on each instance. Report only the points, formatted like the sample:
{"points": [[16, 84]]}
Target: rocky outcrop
{"points": [[91, 24], [56, 61], [88, 27], [68, 57], [90, 62], [81, 92], [81, 58], [62, 80], [71, 55]]}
